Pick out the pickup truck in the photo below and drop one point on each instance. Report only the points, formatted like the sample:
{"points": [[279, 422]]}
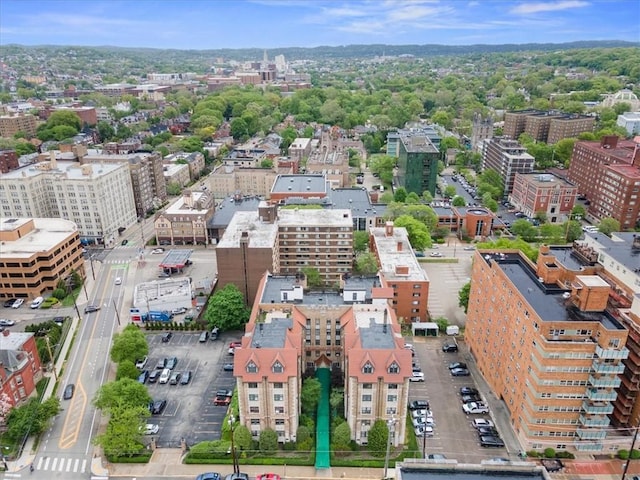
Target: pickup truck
{"points": [[223, 398], [475, 407]]}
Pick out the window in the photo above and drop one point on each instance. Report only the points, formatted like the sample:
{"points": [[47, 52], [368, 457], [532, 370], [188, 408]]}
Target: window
{"points": [[278, 397], [277, 385], [255, 421], [366, 398], [253, 385], [254, 410], [277, 367], [366, 386], [280, 410], [394, 368], [368, 368], [252, 367], [253, 397], [392, 398], [366, 410]]}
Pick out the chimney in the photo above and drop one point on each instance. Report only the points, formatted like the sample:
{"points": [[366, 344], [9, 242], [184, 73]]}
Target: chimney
{"points": [[609, 141], [388, 229], [636, 155], [187, 197], [399, 246]]}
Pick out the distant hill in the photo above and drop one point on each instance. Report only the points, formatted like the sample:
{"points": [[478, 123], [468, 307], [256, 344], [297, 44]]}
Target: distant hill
{"points": [[341, 52]]}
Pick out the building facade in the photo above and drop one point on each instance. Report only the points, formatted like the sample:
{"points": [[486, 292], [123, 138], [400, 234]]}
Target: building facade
{"points": [[546, 126], [546, 344], [506, 157], [20, 367], [543, 192], [8, 160], [630, 121], [400, 271], [36, 254], [607, 173], [98, 198], [185, 221], [418, 161], [12, 124]]}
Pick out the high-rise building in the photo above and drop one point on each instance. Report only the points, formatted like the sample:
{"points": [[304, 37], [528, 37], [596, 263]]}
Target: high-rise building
{"points": [[98, 198], [506, 157], [12, 124], [546, 126], [482, 130], [547, 345], [543, 193], [418, 159], [607, 173]]}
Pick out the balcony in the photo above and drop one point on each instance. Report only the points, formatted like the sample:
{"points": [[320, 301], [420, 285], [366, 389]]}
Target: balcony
{"points": [[591, 434], [610, 353], [608, 368], [588, 446], [630, 383], [604, 382], [598, 395], [601, 409], [594, 421]]}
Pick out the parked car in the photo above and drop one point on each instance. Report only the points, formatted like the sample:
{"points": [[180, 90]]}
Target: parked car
{"points": [[470, 398], [268, 476], [158, 407], [460, 372], [166, 337], [491, 441], [9, 303], [165, 375], [221, 401], [157, 251], [227, 367], [416, 377], [143, 377], [5, 322], [421, 413], [214, 333], [204, 336], [482, 422], [186, 377], [68, 391], [91, 308], [487, 431], [419, 405], [475, 407], [237, 476], [469, 247], [435, 254], [423, 430], [35, 304], [150, 429], [162, 364], [436, 456], [450, 347], [124, 242], [142, 362], [209, 476], [175, 378], [153, 376], [457, 365], [172, 362], [17, 303], [178, 311], [469, 391]]}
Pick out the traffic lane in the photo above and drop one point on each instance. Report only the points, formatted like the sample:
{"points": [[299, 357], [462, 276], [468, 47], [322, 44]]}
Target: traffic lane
{"points": [[455, 437]]}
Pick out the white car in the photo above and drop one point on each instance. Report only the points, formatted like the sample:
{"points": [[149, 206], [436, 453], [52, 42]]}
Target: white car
{"points": [[142, 362], [482, 422], [157, 251], [416, 377], [17, 303], [475, 407], [421, 413], [118, 281], [150, 429], [435, 254], [423, 430]]}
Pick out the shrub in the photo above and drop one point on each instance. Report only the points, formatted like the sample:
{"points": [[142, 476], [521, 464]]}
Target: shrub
{"points": [[635, 454], [305, 445], [210, 449], [268, 441], [378, 438], [303, 433], [533, 454], [59, 293], [549, 453], [565, 454], [623, 454], [289, 446]]}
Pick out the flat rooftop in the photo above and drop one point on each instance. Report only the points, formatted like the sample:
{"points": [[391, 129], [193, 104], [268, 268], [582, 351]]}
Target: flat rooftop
{"points": [[70, 170], [374, 328], [300, 184], [567, 258], [548, 300], [314, 218], [227, 208], [175, 258], [155, 292], [261, 234], [619, 247], [357, 200], [419, 143], [271, 333], [391, 258], [47, 233]]}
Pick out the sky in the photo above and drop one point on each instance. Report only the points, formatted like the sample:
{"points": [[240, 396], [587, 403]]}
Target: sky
{"points": [[213, 24]]}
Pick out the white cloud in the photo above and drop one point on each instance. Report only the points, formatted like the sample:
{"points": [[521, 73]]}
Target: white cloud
{"points": [[538, 7]]}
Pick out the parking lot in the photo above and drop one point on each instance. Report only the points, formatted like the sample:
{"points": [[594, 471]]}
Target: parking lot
{"points": [[454, 436], [190, 412]]}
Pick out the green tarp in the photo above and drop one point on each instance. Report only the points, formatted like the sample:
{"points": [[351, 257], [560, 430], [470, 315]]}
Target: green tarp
{"points": [[323, 440]]}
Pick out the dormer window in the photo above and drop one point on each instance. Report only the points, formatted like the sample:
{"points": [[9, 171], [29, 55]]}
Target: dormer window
{"points": [[368, 368], [394, 368], [252, 367], [277, 367]]}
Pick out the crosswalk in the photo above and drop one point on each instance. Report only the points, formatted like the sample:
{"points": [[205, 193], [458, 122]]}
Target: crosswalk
{"points": [[61, 464]]}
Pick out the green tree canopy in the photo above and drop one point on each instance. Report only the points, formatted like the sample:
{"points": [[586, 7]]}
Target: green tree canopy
{"points": [[242, 438], [463, 296], [449, 191], [417, 232], [127, 369], [608, 226], [360, 241], [130, 344], [366, 263], [268, 442], [123, 436], [378, 438], [458, 201], [523, 228], [310, 395], [122, 394], [32, 418], [227, 309]]}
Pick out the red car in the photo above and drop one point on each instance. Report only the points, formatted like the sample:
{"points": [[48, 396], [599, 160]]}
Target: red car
{"points": [[222, 401], [268, 476], [235, 345]]}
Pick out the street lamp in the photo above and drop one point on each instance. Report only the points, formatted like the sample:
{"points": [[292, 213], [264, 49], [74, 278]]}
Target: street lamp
{"points": [[391, 426], [236, 468]]}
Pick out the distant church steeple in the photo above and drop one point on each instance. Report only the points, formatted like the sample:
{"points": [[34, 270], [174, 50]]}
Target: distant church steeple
{"points": [[265, 58]]}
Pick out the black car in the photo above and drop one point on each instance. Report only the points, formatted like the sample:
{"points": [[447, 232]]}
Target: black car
{"points": [[9, 303], [237, 476], [158, 407], [166, 337], [143, 377], [491, 431], [68, 391], [91, 308], [186, 377], [457, 365], [227, 367], [491, 441], [450, 347], [470, 398], [154, 376], [469, 391], [419, 405], [124, 242]]}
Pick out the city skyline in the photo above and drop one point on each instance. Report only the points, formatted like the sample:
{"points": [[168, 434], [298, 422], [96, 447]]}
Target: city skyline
{"points": [[202, 25]]}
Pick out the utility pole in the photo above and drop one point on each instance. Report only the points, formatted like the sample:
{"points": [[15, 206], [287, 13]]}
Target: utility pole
{"points": [[236, 467], [53, 362], [116, 309], [626, 464], [390, 424]]}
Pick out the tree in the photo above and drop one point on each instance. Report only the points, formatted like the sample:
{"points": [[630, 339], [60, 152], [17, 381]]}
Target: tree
{"points": [[463, 296], [242, 438], [268, 441], [130, 344], [32, 418], [524, 229], [341, 438], [458, 201], [578, 212], [608, 226], [449, 191], [378, 438], [427, 197], [310, 395], [239, 129], [105, 131], [366, 263], [400, 195], [360, 241], [127, 369], [123, 434], [124, 393], [64, 117], [227, 309], [24, 148], [573, 229], [313, 277], [417, 232]]}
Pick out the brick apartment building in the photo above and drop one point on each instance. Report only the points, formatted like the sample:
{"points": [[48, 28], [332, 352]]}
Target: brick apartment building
{"points": [[400, 271], [546, 126], [547, 346], [543, 192], [36, 254], [294, 330], [607, 173], [20, 367], [12, 124], [506, 157], [185, 221], [8, 160]]}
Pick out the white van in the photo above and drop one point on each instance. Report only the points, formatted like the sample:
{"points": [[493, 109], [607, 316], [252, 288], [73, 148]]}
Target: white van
{"points": [[37, 302], [165, 375]]}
